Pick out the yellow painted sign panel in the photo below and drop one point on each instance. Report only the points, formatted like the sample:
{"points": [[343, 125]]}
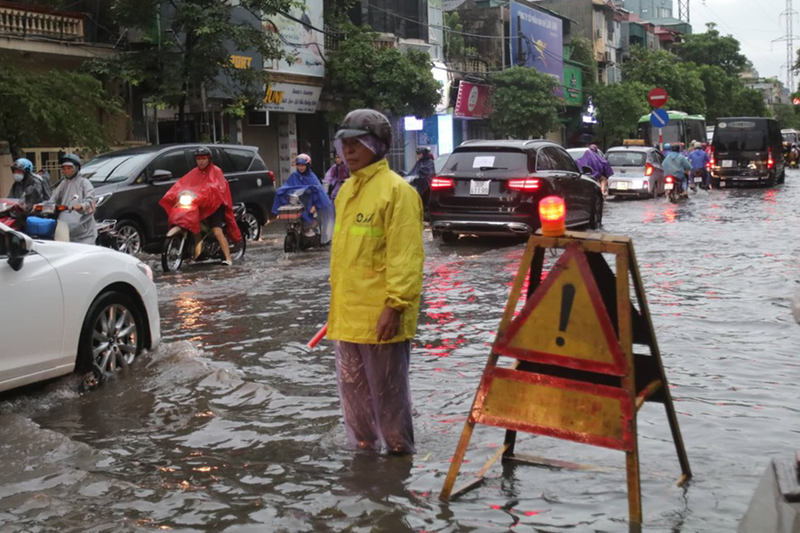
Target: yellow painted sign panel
{"points": [[557, 407], [565, 322]]}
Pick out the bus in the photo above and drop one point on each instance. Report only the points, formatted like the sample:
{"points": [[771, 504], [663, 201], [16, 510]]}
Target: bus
{"points": [[682, 127]]}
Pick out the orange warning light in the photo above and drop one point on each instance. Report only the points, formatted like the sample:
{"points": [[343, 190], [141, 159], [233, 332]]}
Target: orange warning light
{"points": [[553, 214]]}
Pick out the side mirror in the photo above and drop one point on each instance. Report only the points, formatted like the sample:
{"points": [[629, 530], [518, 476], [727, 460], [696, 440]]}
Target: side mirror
{"points": [[585, 169], [17, 246], [161, 175]]}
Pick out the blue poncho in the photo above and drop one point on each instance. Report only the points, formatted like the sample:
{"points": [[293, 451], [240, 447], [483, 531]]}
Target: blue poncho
{"points": [[317, 196]]}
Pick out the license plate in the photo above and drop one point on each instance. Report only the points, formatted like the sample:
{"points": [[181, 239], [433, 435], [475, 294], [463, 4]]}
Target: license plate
{"points": [[727, 163], [698, 180], [622, 185], [668, 186], [479, 188]]}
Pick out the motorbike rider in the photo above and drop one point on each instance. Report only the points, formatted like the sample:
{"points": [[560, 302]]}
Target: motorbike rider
{"points": [[601, 170], [77, 193], [675, 164], [336, 176], [699, 159], [214, 204], [794, 155], [319, 205], [27, 188], [424, 171]]}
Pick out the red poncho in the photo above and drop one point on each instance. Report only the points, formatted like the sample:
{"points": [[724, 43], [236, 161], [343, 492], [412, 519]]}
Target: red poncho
{"points": [[212, 191]]}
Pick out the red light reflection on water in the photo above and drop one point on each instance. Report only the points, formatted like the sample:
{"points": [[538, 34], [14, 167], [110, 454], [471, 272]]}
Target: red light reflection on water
{"points": [[670, 215]]}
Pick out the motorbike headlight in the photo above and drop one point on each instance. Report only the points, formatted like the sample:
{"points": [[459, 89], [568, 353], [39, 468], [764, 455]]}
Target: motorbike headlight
{"points": [[146, 270], [186, 200], [103, 198]]}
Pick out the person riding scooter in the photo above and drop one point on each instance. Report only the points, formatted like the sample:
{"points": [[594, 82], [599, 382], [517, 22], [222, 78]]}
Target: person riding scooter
{"points": [[424, 171], [27, 188], [318, 209], [213, 204], [677, 165], [77, 193], [699, 159]]}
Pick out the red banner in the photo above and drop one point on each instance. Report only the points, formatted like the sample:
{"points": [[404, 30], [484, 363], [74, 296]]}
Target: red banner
{"points": [[473, 101]]}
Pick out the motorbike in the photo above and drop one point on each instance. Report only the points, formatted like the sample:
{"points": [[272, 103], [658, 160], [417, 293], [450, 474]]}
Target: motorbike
{"points": [[298, 235], [179, 247], [794, 157], [673, 188], [698, 176], [46, 223], [10, 213]]}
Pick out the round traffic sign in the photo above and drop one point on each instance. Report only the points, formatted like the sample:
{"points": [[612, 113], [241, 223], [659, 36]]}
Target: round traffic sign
{"points": [[659, 118], [657, 97]]}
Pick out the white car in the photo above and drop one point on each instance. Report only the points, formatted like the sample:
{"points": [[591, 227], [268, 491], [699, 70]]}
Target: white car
{"points": [[67, 307]]}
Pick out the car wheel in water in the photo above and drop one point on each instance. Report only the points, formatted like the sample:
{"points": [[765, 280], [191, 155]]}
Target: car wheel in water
{"points": [[130, 238], [251, 227], [112, 334], [172, 252], [596, 216]]}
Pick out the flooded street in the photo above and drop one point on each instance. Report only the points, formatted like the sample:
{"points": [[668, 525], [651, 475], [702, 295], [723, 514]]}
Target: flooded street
{"points": [[233, 425]]}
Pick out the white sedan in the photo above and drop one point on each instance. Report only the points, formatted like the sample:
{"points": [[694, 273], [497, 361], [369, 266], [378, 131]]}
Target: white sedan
{"points": [[67, 307]]}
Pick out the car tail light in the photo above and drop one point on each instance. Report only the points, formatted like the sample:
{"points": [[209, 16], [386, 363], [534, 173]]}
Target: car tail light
{"points": [[528, 185], [770, 161], [711, 160], [271, 176], [648, 169], [437, 184]]}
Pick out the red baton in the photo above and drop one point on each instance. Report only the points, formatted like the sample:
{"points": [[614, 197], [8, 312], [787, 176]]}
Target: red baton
{"points": [[318, 337]]}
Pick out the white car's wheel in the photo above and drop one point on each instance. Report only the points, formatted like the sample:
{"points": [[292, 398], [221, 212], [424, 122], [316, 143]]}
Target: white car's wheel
{"points": [[112, 334]]}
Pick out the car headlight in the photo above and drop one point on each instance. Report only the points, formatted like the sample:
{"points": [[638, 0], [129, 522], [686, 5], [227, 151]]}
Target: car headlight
{"points": [[103, 198], [146, 270]]}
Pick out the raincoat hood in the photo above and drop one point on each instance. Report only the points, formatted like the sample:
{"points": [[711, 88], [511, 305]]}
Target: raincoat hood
{"points": [[596, 162]]}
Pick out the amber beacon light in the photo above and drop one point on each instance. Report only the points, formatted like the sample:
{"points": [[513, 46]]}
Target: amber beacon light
{"points": [[553, 215]]}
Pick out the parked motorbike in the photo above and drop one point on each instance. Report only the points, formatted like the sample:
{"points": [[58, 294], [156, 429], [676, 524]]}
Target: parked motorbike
{"points": [[674, 189], [298, 235], [179, 246], [46, 223]]}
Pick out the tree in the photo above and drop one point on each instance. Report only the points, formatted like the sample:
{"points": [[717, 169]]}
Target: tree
{"points": [[361, 75], [523, 103], [60, 106], [786, 116], [749, 103], [710, 48], [619, 107], [192, 49], [453, 37], [663, 69]]}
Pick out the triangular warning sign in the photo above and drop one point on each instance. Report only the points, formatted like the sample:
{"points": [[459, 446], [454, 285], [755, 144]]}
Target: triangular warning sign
{"points": [[565, 322]]}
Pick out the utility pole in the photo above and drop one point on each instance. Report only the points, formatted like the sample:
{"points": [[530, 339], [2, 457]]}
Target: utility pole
{"points": [[683, 10], [789, 13]]}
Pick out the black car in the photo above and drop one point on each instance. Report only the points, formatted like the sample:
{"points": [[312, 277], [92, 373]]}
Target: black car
{"points": [[747, 151], [129, 183], [494, 188]]}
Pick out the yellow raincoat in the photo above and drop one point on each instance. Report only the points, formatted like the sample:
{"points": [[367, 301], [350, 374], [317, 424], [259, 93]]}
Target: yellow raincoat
{"points": [[377, 255]]}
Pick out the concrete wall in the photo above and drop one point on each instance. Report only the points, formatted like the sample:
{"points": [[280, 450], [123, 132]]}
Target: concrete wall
{"points": [[266, 139], [6, 178]]}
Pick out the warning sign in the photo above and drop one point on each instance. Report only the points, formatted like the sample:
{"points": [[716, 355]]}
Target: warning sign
{"points": [[565, 322]]}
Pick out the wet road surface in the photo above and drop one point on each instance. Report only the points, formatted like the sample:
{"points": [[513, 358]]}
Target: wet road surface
{"points": [[232, 425]]}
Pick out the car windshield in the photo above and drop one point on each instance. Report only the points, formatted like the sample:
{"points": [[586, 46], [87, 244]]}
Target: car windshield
{"points": [[741, 140], [626, 159], [113, 168], [468, 160], [790, 137]]}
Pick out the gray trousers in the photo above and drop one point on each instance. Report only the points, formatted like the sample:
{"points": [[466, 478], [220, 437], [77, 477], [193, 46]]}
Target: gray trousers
{"points": [[375, 395]]}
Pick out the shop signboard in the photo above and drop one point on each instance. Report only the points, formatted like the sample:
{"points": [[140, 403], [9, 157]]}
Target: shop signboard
{"points": [[573, 85], [303, 44], [291, 98], [472, 101], [537, 42]]}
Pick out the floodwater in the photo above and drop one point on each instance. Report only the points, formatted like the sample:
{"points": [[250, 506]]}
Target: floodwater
{"points": [[232, 425]]}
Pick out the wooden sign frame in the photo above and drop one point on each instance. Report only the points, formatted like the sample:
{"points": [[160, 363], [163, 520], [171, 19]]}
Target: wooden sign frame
{"points": [[644, 379]]}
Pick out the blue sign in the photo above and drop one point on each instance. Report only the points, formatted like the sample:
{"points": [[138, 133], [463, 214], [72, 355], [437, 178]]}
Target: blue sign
{"points": [[659, 118], [537, 42]]}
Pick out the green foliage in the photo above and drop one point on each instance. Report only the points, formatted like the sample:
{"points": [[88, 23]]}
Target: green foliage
{"points": [[61, 106], [583, 52], [710, 48], [619, 107], [363, 76], [787, 116], [453, 42], [749, 103], [523, 103], [662, 69]]}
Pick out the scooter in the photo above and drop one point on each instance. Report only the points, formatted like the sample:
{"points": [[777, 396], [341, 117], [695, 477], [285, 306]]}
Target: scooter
{"points": [[673, 188], [10, 213], [45, 223], [179, 247], [698, 179], [298, 235]]}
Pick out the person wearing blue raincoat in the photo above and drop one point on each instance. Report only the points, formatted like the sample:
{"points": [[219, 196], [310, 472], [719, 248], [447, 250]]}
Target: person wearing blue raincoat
{"points": [[318, 202]]}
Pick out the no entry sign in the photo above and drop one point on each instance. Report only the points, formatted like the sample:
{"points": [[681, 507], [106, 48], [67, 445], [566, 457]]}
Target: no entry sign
{"points": [[657, 97]]}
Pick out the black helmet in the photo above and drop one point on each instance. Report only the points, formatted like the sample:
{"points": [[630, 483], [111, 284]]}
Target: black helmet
{"points": [[676, 147], [202, 151], [423, 150], [70, 158], [363, 122]]}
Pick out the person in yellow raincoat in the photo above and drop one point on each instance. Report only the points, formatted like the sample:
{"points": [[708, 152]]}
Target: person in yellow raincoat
{"points": [[376, 281]]}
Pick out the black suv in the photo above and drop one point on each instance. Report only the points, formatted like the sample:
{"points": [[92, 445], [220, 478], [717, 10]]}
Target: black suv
{"points": [[129, 183], [494, 188], [747, 151]]}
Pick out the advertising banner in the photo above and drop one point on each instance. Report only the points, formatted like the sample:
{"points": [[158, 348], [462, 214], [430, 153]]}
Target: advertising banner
{"points": [[303, 44], [291, 98], [537, 42], [472, 101], [573, 85]]}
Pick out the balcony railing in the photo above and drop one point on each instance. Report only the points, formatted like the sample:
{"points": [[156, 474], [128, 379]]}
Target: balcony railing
{"points": [[36, 22]]}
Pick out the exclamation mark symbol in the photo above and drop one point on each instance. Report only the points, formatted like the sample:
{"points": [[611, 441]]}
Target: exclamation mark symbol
{"points": [[567, 297]]}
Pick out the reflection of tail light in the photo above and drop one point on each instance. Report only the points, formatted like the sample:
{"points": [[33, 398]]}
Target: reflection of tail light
{"points": [[770, 160], [648, 169], [437, 184], [524, 185], [271, 176], [670, 179], [712, 161]]}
